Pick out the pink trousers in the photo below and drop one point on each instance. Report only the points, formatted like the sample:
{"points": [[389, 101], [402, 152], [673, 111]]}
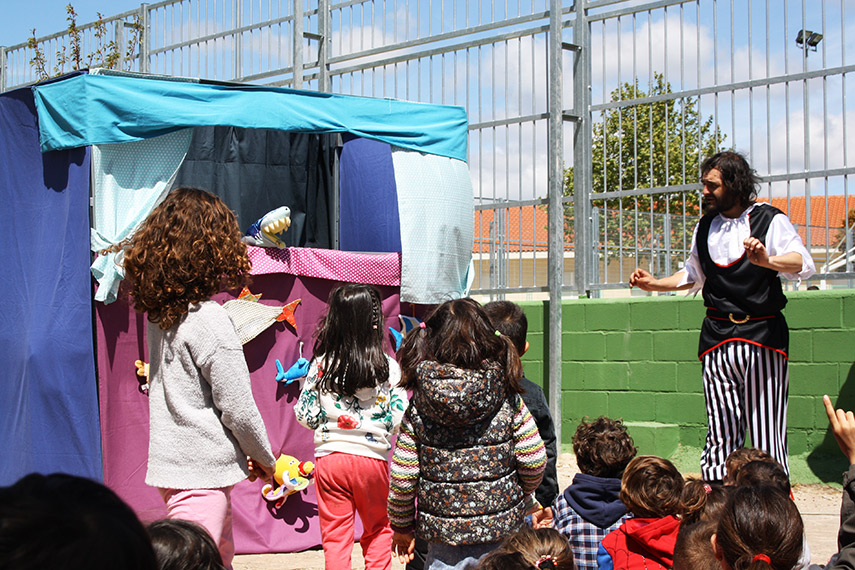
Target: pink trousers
{"points": [[210, 508], [349, 484]]}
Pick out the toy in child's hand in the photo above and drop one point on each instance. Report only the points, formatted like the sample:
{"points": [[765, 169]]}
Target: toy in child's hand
{"points": [[291, 476], [298, 370], [263, 232], [142, 375]]}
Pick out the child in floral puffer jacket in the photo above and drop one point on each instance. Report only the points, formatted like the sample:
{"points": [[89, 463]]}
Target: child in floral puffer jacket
{"points": [[468, 447]]}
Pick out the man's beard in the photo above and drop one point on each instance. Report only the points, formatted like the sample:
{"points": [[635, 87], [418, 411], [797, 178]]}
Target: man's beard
{"points": [[713, 205]]}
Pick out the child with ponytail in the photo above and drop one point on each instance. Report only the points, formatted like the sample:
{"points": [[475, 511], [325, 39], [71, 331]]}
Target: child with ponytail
{"points": [[468, 446]]}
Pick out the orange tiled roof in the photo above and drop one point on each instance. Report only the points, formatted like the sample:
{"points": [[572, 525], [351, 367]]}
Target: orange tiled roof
{"points": [[526, 226]]}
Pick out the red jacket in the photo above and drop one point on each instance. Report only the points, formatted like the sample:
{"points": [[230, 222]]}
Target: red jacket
{"points": [[640, 544]]}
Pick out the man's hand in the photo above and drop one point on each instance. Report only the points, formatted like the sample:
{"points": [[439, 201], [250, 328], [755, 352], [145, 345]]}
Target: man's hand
{"points": [[642, 279], [843, 427], [756, 251], [403, 546]]}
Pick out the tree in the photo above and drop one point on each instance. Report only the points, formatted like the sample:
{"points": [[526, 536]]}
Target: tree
{"points": [[647, 145], [105, 54]]}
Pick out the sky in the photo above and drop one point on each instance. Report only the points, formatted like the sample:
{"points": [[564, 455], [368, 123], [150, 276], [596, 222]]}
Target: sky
{"points": [[19, 17]]}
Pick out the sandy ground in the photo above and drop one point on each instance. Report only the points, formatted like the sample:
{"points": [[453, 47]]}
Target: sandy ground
{"points": [[818, 504]]}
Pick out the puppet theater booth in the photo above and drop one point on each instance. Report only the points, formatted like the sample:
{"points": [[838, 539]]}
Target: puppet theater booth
{"points": [[87, 156]]}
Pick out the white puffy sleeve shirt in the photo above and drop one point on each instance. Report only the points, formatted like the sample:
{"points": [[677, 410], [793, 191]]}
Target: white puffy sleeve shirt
{"points": [[726, 239]]}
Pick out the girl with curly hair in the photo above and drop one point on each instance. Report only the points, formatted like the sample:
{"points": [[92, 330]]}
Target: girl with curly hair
{"points": [[203, 420], [352, 401]]}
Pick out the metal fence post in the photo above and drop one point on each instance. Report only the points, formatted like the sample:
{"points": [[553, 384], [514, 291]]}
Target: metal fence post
{"points": [[582, 169], [238, 73], [145, 39], [297, 81], [555, 170], [2, 69], [323, 45]]}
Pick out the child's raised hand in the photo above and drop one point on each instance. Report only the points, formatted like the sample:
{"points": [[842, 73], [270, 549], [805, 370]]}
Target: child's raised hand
{"points": [[843, 428], [542, 518], [403, 546]]}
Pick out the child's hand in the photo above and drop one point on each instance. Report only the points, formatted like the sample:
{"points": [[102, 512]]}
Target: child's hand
{"points": [[843, 427], [259, 471], [403, 546], [542, 518]]}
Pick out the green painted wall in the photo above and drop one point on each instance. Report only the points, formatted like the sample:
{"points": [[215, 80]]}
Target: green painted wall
{"points": [[636, 358]]}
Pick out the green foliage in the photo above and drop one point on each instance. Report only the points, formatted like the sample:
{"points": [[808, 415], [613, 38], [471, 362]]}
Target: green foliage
{"points": [[647, 145], [104, 54]]}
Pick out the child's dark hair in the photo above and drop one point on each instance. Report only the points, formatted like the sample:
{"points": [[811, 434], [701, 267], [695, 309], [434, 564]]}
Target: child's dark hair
{"points": [[541, 549], [459, 333], [703, 504], [183, 545], [69, 522], [603, 448], [742, 456], [756, 473], [187, 249], [510, 320], [350, 339], [652, 487], [759, 529]]}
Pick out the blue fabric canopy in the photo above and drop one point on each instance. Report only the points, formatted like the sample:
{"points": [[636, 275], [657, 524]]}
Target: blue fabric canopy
{"points": [[103, 109]]}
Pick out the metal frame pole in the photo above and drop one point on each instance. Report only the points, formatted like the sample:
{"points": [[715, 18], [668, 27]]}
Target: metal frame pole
{"points": [[323, 45], [145, 41], [297, 81], [555, 263]]}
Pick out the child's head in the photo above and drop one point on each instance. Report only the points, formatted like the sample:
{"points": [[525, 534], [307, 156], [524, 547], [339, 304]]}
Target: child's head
{"points": [[543, 548], [460, 333], [183, 545], [187, 249], [350, 338], [603, 448], [760, 528], [65, 521], [651, 487], [756, 473], [738, 458], [510, 320], [703, 501]]}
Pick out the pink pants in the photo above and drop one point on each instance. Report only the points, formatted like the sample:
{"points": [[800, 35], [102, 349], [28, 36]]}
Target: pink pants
{"points": [[210, 508], [347, 484]]}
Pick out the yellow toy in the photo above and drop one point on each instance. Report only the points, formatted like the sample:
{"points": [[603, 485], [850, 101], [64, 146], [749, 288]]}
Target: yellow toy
{"points": [[291, 476]]}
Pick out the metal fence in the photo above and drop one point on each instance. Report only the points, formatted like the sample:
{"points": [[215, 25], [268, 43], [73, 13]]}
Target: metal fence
{"points": [[627, 96]]}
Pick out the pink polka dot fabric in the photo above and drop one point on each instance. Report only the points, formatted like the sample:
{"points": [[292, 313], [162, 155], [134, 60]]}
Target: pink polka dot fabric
{"points": [[371, 268]]}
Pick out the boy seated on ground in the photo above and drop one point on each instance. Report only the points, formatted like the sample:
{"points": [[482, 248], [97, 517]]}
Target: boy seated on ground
{"points": [[590, 507], [651, 489], [742, 456]]}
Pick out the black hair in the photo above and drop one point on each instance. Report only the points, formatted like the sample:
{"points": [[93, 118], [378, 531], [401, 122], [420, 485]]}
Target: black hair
{"points": [[350, 339], [460, 333], [66, 521], [183, 545], [737, 176], [510, 320]]}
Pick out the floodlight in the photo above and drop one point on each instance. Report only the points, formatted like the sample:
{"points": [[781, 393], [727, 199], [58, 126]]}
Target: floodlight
{"points": [[807, 38]]}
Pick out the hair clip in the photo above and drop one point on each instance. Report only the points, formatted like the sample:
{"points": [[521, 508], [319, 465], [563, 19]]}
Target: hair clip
{"points": [[707, 488], [762, 557], [374, 326], [422, 325], [497, 333], [545, 558]]}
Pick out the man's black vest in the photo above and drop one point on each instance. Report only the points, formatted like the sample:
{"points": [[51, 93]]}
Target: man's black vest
{"points": [[743, 300]]}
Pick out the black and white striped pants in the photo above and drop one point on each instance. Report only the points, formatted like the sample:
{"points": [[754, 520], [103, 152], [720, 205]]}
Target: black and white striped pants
{"points": [[746, 388]]}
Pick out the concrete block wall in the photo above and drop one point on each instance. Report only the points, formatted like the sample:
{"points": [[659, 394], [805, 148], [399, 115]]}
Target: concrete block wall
{"points": [[636, 358]]}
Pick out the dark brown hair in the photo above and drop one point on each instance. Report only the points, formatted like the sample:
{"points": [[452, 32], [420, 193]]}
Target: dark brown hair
{"points": [[187, 249], [459, 333], [739, 457], [651, 487], [737, 176], [183, 545], [603, 448], [760, 520], [756, 473], [350, 338], [692, 550], [510, 320], [543, 549]]}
